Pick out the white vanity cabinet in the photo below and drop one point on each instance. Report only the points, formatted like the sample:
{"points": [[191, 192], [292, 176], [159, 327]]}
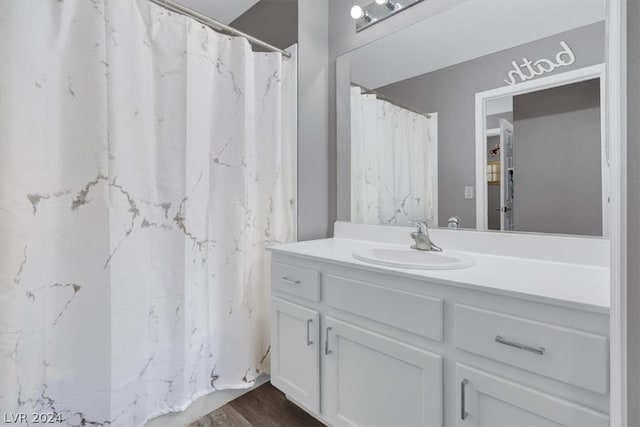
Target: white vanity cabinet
{"points": [[295, 359], [372, 379], [489, 400], [358, 346], [566, 354]]}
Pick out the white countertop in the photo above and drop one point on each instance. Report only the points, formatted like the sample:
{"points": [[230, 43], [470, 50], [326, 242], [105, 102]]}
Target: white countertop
{"points": [[560, 283]]}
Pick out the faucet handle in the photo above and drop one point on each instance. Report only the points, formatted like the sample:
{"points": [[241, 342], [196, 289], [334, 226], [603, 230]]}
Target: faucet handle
{"points": [[421, 226], [454, 222]]}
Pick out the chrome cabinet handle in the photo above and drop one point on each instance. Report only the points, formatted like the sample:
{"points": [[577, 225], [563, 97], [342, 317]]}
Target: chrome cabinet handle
{"points": [[326, 343], [309, 342], [536, 350], [290, 281], [463, 409]]}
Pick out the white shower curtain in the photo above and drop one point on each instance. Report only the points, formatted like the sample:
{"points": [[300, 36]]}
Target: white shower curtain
{"points": [[145, 163], [392, 152]]}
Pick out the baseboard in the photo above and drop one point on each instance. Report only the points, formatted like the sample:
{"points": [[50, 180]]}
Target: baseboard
{"points": [[202, 406]]}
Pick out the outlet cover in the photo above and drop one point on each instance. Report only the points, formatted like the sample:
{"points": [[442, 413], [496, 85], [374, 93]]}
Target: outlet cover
{"points": [[468, 192]]}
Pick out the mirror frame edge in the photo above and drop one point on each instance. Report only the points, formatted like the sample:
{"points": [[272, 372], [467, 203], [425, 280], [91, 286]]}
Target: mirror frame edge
{"points": [[343, 136], [616, 105]]}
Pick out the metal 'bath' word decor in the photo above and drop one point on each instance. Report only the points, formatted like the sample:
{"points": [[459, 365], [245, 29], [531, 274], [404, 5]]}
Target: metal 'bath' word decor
{"points": [[528, 70]]}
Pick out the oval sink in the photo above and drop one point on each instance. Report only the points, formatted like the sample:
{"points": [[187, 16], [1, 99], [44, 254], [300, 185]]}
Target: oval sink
{"points": [[412, 258]]}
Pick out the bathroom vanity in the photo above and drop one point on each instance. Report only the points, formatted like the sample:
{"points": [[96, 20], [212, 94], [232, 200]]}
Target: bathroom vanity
{"points": [[519, 338]]}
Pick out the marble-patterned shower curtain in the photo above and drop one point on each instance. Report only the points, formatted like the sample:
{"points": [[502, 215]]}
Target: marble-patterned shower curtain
{"points": [[145, 163], [391, 164]]}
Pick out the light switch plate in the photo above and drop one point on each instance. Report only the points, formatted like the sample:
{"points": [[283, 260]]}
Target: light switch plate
{"points": [[468, 192]]}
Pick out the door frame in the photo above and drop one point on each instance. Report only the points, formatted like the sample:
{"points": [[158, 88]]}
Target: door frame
{"points": [[555, 80]]}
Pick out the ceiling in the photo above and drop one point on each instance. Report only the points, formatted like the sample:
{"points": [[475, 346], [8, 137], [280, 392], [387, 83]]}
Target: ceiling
{"points": [[225, 11]]}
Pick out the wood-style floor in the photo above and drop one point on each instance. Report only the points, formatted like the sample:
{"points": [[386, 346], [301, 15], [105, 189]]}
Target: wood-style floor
{"points": [[265, 406]]}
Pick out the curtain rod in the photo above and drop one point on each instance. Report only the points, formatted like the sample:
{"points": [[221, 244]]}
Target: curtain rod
{"points": [[216, 25], [382, 96]]}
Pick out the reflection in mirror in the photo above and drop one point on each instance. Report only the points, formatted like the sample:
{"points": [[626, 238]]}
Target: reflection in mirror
{"points": [[393, 167], [538, 162], [544, 155]]}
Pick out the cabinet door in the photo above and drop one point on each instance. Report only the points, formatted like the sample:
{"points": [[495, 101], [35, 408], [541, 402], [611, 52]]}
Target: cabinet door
{"points": [[295, 356], [373, 380], [484, 399]]}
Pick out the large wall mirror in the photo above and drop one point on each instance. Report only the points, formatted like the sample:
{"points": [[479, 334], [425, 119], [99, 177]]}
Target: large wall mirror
{"points": [[501, 125]]}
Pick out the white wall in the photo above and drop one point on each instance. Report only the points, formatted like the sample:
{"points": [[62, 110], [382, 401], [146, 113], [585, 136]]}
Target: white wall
{"points": [[313, 110]]}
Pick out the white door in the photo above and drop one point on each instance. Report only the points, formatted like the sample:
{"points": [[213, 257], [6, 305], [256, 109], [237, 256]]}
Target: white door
{"points": [[295, 356], [507, 178], [373, 380], [487, 400]]}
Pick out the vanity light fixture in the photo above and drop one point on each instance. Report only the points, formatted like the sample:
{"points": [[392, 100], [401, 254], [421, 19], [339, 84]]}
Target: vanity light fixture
{"points": [[378, 11], [359, 13]]}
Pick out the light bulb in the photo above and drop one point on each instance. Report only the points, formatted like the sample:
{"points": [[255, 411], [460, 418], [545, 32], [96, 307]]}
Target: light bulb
{"points": [[357, 12], [390, 5]]}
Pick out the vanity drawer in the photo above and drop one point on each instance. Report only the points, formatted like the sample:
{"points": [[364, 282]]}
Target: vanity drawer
{"points": [[411, 312], [301, 282], [567, 355]]}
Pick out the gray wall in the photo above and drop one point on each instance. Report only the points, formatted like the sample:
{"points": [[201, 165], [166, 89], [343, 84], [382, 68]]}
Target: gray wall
{"points": [[493, 121], [313, 120], [633, 211], [451, 93], [273, 21], [557, 145]]}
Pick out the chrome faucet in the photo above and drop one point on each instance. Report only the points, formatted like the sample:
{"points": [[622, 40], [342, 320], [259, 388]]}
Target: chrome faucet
{"points": [[454, 222], [422, 239]]}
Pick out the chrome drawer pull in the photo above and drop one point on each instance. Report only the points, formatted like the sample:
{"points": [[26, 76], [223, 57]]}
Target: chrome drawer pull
{"points": [[536, 350], [309, 342], [290, 281], [326, 343], [463, 409]]}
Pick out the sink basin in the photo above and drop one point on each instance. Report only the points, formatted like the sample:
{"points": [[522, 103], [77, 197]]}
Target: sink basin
{"points": [[412, 258]]}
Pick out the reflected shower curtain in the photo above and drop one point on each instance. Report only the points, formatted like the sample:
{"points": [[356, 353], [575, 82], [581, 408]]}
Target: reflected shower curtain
{"points": [[391, 172], [145, 163]]}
